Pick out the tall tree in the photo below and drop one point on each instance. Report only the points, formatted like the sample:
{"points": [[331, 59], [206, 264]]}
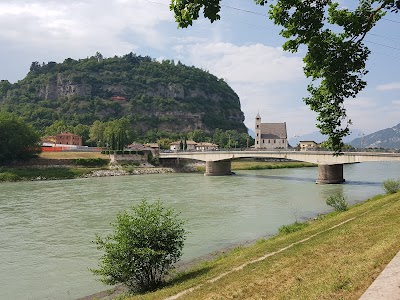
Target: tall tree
{"points": [[96, 133], [118, 134], [335, 59], [57, 127], [18, 140], [83, 131]]}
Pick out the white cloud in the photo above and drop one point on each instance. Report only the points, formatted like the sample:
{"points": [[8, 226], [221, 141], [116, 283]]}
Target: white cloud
{"points": [[266, 79], [396, 103], [389, 86], [253, 63], [82, 24], [360, 103]]}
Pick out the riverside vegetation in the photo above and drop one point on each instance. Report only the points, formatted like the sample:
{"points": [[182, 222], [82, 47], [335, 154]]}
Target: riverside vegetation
{"points": [[145, 244], [335, 256], [87, 163]]}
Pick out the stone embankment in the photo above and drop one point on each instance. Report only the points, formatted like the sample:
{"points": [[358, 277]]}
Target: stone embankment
{"points": [[138, 171]]}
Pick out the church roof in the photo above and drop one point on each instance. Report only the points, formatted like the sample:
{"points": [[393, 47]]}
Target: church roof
{"points": [[273, 131]]}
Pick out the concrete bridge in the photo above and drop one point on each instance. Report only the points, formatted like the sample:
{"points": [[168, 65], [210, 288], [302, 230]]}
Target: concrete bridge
{"points": [[330, 167]]}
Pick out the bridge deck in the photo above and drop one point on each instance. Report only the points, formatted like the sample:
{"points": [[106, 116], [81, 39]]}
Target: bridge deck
{"points": [[318, 157]]}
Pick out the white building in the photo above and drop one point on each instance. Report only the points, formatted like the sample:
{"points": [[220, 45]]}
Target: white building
{"points": [[190, 145], [308, 145], [270, 136]]}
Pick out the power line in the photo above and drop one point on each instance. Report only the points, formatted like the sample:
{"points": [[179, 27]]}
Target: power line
{"points": [[384, 36], [391, 20], [265, 15], [245, 10], [383, 45], [388, 55]]}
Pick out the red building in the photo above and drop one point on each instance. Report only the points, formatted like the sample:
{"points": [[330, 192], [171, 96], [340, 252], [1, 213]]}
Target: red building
{"points": [[68, 138]]}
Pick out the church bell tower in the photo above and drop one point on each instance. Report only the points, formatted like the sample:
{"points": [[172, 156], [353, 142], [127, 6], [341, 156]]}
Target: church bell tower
{"points": [[257, 143]]}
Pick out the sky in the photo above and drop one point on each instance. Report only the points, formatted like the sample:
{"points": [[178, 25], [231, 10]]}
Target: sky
{"points": [[244, 48]]}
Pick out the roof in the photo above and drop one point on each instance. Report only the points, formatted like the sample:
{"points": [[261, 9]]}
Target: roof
{"points": [[151, 145], [67, 134], [273, 131], [206, 144]]}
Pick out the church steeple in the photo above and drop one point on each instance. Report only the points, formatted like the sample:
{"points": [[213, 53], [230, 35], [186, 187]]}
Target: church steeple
{"points": [[258, 131]]}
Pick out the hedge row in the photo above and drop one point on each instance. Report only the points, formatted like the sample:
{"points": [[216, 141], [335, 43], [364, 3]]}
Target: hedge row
{"points": [[91, 162]]}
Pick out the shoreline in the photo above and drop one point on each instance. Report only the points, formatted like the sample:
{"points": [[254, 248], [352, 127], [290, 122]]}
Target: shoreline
{"points": [[62, 171], [181, 266]]}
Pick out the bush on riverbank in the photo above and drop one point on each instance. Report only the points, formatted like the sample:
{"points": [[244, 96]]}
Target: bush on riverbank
{"points": [[338, 202], [296, 226], [391, 186], [10, 177], [143, 247]]}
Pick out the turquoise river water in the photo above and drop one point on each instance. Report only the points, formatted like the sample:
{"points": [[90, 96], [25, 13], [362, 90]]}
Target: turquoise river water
{"points": [[46, 227]]}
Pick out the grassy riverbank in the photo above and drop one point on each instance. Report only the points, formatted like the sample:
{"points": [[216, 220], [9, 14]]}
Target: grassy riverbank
{"points": [[55, 165], [13, 174], [72, 168], [72, 155], [336, 256], [263, 165]]}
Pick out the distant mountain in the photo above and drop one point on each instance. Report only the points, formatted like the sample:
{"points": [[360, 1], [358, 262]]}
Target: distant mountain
{"points": [[251, 133], [385, 138], [317, 137]]}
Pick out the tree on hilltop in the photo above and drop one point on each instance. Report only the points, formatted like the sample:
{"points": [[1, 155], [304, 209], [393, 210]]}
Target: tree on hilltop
{"points": [[335, 59]]}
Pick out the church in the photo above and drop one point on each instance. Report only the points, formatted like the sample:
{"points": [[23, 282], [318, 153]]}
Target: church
{"points": [[270, 136]]}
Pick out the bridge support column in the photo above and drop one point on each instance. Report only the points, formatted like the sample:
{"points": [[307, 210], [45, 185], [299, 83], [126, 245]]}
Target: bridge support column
{"points": [[330, 173], [218, 168]]}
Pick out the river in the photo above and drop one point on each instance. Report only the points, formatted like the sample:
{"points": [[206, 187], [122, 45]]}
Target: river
{"points": [[46, 227]]}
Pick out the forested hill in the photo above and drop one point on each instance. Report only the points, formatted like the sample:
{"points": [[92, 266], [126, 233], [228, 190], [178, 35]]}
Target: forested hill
{"points": [[164, 96]]}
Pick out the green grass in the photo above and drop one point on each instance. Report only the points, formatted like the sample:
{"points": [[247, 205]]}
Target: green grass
{"points": [[18, 174], [336, 256], [262, 165], [72, 155], [296, 226]]}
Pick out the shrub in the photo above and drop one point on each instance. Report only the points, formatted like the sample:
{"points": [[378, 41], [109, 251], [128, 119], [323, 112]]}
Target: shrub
{"points": [[143, 247], [338, 202], [296, 226], [91, 162], [391, 186], [7, 176]]}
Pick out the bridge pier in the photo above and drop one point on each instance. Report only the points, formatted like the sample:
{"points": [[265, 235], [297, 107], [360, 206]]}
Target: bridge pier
{"points": [[218, 168], [330, 173]]}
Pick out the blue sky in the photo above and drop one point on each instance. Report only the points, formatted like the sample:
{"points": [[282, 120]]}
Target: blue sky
{"points": [[244, 48]]}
